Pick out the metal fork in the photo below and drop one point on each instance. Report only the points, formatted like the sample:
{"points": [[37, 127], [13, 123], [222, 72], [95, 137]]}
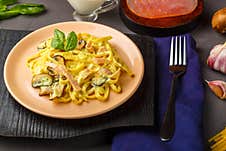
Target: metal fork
{"points": [[177, 66]]}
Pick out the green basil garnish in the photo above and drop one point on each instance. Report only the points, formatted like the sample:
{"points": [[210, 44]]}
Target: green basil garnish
{"points": [[58, 40], [71, 41]]}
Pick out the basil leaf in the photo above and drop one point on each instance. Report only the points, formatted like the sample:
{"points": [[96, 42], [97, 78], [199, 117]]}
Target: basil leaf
{"points": [[58, 40], [71, 41], [8, 14], [59, 35], [57, 44], [28, 9], [7, 2], [3, 8]]}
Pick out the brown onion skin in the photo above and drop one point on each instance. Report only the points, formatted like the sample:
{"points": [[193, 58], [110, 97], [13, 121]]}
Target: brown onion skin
{"points": [[219, 21]]}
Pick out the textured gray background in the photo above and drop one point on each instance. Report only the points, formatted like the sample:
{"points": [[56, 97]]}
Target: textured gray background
{"points": [[59, 10]]}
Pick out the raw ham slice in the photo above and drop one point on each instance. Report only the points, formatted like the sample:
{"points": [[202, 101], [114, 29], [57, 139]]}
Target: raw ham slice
{"points": [[161, 8], [62, 70], [218, 87], [217, 58]]}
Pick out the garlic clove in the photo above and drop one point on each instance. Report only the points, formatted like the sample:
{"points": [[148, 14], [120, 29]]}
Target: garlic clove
{"points": [[218, 88]]}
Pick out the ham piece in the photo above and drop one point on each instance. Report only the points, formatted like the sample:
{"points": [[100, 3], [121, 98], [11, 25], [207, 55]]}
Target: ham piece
{"points": [[161, 8], [217, 58], [60, 69]]}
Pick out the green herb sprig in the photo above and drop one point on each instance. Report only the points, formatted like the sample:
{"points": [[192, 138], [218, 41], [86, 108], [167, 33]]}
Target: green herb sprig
{"points": [[59, 41], [28, 9], [7, 2], [18, 9], [3, 8]]}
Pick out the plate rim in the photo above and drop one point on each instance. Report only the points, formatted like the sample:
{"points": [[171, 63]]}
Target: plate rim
{"points": [[17, 99]]}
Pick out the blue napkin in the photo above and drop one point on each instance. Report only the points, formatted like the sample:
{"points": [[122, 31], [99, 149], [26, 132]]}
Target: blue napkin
{"points": [[189, 104]]}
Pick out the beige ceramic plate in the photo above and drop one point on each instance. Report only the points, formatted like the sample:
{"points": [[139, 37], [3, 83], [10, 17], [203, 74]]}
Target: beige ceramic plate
{"points": [[18, 77]]}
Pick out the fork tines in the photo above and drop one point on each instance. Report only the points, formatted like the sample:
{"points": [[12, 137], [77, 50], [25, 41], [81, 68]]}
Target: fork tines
{"points": [[178, 51]]}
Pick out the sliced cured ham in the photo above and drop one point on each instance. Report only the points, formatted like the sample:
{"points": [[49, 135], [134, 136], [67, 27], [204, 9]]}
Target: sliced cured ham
{"points": [[161, 8], [217, 58], [62, 70]]}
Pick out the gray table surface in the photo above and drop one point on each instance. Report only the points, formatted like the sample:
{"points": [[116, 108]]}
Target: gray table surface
{"points": [[214, 118]]}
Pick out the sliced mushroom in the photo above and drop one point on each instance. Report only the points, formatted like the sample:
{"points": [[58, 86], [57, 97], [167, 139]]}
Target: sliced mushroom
{"points": [[51, 71], [42, 45], [81, 44], [59, 59], [41, 80], [57, 90], [99, 81], [45, 90]]}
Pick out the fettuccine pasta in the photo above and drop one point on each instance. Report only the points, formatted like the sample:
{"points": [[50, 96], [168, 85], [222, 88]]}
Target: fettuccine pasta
{"points": [[90, 71]]}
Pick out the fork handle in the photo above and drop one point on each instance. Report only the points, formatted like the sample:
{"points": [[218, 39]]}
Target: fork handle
{"points": [[168, 125]]}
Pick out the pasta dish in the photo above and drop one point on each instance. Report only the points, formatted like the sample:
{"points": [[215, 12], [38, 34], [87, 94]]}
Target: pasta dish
{"points": [[77, 68]]}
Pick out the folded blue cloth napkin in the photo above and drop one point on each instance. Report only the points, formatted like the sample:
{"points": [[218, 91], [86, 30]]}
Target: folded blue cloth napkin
{"points": [[189, 104]]}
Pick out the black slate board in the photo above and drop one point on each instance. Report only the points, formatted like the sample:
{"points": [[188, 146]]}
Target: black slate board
{"points": [[17, 121]]}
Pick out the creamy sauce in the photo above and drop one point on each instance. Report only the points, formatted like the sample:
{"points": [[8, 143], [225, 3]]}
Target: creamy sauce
{"points": [[161, 8], [86, 6]]}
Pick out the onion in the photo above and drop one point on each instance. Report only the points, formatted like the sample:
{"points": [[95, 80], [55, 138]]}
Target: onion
{"points": [[219, 21]]}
